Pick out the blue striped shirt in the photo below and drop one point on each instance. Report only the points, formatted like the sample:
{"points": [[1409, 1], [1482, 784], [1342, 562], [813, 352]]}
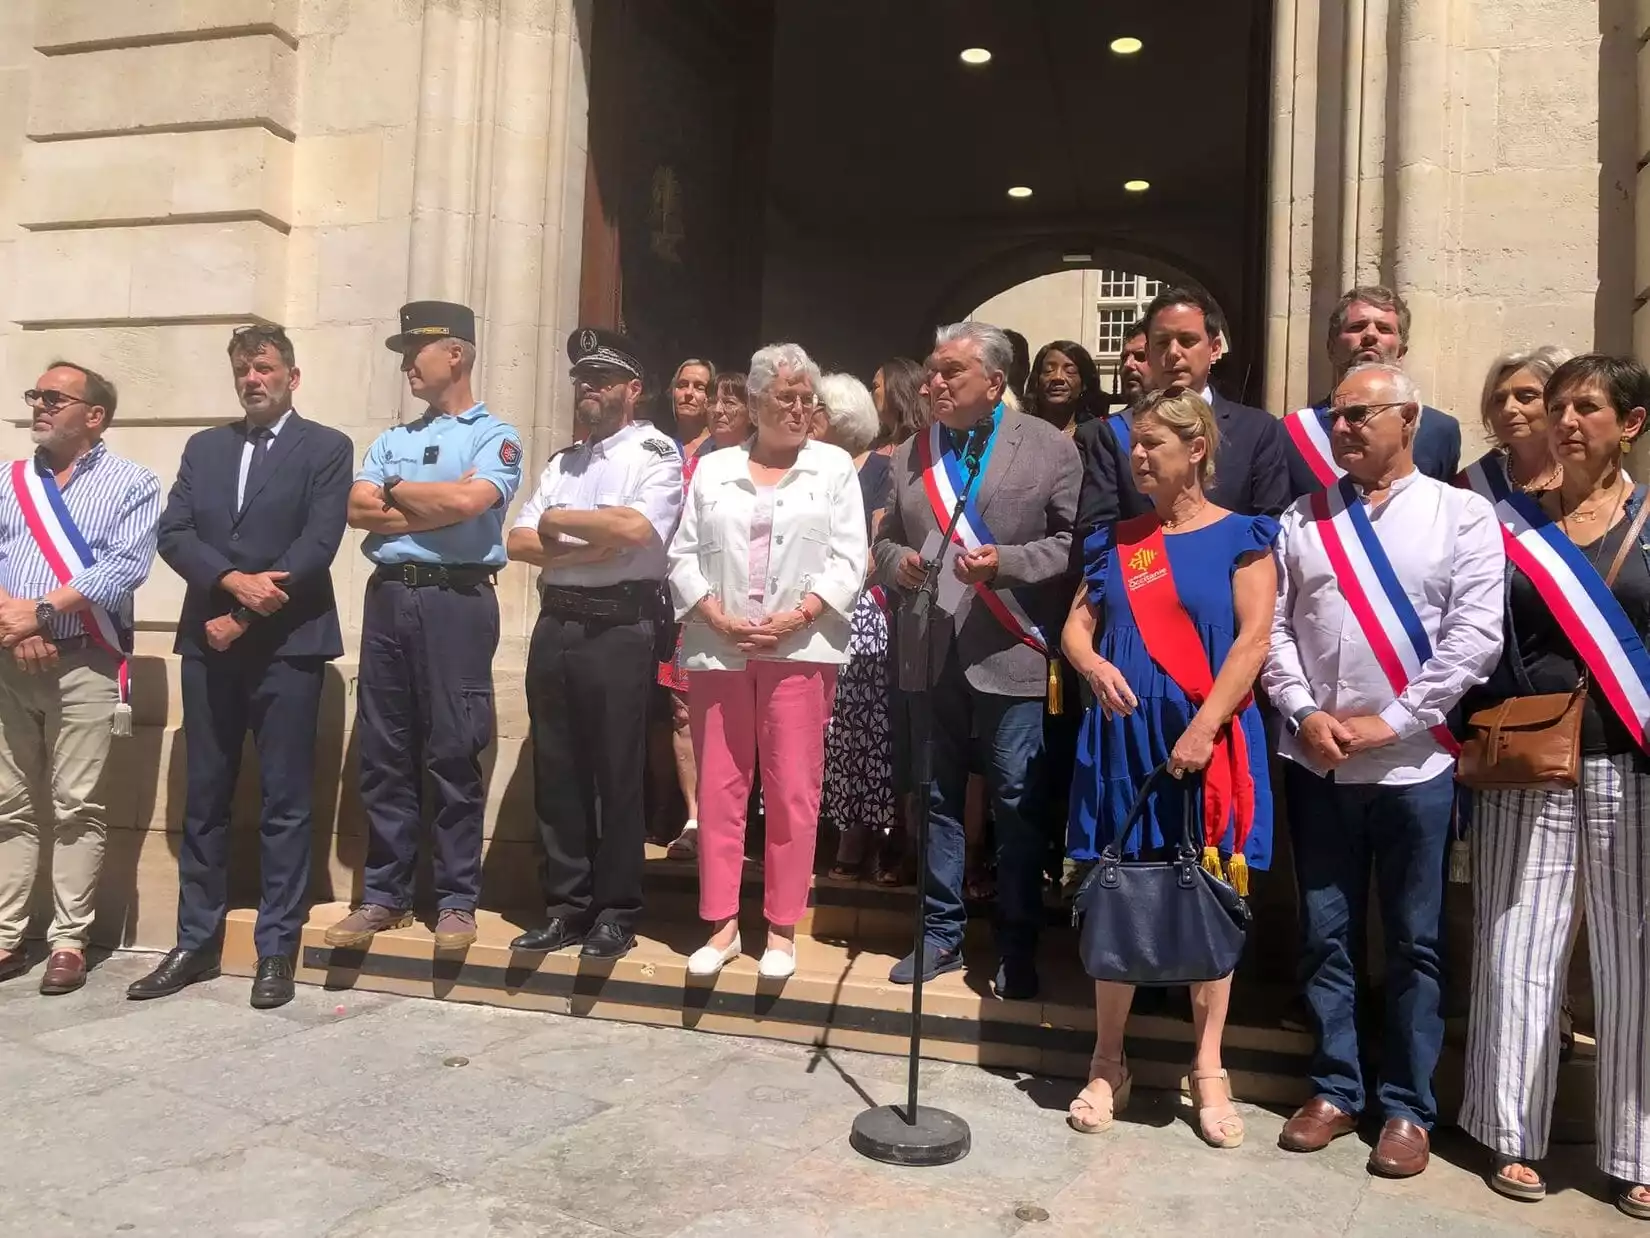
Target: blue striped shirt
{"points": [[115, 504]]}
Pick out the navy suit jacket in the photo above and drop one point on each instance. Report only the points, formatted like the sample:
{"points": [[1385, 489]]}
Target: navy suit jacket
{"points": [[293, 522], [1437, 452]]}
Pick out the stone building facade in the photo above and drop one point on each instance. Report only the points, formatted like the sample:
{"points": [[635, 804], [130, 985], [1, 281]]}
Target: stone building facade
{"points": [[171, 168]]}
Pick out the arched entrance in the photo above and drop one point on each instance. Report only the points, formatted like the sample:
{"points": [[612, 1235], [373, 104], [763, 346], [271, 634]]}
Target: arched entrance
{"points": [[836, 174]]}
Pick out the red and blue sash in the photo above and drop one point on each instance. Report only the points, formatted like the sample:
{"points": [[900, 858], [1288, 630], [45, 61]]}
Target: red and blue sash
{"points": [[1172, 640], [1373, 593], [943, 480], [1587, 612], [1311, 439], [65, 550]]}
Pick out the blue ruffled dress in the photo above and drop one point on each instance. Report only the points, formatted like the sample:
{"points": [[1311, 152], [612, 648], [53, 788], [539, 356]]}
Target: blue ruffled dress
{"points": [[1114, 755]]}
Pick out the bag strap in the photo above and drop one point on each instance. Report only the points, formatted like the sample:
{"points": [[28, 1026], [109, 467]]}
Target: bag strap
{"points": [[1633, 531], [1137, 811]]}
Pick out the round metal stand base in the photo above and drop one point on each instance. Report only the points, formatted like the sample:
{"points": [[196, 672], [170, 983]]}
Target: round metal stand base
{"points": [[935, 1138]]}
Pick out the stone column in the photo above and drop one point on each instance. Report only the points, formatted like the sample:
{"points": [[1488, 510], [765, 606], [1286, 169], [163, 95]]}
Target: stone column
{"points": [[1461, 151]]}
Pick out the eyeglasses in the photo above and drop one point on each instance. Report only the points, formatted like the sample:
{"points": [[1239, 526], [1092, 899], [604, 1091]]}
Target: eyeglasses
{"points": [[597, 378], [1357, 414], [791, 403], [51, 401]]}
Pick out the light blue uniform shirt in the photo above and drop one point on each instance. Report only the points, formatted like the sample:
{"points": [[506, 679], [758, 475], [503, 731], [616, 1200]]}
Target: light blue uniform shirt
{"points": [[438, 447]]}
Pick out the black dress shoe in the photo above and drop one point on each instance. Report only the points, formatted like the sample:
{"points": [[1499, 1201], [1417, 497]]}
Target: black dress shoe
{"points": [[177, 971], [272, 986], [556, 935], [607, 941]]}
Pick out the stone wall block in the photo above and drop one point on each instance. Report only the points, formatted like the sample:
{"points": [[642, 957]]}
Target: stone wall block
{"points": [[1525, 23], [362, 80], [197, 269], [17, 33], [1526, 240], [395, 172], [221, 81], [1480, 78], [363, 271], [1538, 85], [1641, 213], [519, 161], [73, 275], [155, 176], [1423, 121], [337, 178], [63, 23]]}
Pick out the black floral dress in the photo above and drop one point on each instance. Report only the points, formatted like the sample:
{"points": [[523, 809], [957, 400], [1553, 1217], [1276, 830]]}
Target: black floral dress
{"points": [[859, 781]]}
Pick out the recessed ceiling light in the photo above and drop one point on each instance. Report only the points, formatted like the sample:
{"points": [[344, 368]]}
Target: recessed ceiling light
{"points": [[1137, 186], [1076, 258], [1020, 191], [1128, 45], [976, 56]]}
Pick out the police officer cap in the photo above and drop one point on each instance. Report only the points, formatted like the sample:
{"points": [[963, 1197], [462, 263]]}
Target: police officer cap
{"points": [[423, 321], [595, 346]]}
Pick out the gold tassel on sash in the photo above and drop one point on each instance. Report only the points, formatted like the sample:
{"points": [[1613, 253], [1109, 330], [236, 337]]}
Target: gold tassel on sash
{"points": [[1056, 693], [1238, 870], [1211, 863]]}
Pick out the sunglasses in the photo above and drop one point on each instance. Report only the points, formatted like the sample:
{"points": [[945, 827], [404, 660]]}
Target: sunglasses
{"points": [[1357, 414], [51, 401]]}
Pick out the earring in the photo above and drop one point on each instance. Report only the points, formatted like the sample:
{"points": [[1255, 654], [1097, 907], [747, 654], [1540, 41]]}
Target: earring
{"points": [[1626, 446]]}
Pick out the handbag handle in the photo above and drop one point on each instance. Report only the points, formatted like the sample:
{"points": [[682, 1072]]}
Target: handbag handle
{"points": [[1188, 844], [1633, 531]]}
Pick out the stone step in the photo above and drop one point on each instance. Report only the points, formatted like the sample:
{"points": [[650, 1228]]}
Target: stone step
{"points": [[840, 996]]}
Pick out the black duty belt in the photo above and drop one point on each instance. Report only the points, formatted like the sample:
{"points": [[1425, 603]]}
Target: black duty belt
{"points": [[629, 602], [436, 575]]}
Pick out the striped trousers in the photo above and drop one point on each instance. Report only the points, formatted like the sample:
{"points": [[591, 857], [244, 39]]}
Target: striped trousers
{"points": [[1535, 855]]}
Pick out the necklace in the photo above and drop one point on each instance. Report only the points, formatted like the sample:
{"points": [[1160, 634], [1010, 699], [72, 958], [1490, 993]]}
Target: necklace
{"points": [[1578, 516], [1170, 525]]}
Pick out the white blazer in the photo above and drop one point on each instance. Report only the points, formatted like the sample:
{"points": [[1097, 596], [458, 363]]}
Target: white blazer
{"points": [[817, 546]]}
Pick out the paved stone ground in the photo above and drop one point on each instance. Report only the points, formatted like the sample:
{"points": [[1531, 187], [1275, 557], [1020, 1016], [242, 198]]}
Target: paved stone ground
{"points": [[359, 1114]]}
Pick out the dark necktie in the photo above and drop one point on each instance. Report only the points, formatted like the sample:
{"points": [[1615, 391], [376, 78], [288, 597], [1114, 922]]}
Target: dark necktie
{"points": [[261, 439]]}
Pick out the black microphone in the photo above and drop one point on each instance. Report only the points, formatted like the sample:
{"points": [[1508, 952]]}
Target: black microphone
{"points": [[979, 435]]}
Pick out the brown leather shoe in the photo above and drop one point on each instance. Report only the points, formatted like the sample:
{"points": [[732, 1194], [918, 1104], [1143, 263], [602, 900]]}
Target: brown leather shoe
{"points": [[357, 928], [1315, 1126], [1403, 1150], [15, 963], [65, 972]]}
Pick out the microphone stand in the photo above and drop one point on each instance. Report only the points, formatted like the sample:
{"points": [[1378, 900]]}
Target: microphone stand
{"points": [[913, 1134]]}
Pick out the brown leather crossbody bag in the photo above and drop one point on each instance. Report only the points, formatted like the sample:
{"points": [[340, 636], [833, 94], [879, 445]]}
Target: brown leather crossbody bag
{"points": [[1529, 742]]}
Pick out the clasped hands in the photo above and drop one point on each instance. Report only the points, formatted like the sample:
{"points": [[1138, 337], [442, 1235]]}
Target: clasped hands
{"points": [[758, 637], [20, 632], [259, 592], [1330, 740], [972, 567]]}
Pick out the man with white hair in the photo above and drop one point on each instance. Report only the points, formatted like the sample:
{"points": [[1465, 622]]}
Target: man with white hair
{"points": [[989, 668], [1389, 609]]}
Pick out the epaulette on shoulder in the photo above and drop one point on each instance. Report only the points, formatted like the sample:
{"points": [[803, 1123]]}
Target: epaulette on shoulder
{"points": [[660, 446]]}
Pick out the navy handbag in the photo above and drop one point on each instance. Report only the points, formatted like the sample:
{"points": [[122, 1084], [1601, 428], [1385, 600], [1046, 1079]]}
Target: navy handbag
{"points": [[1158, 922]]}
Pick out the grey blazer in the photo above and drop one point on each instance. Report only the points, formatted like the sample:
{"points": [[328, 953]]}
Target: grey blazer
{"points": [[1028, 499]]}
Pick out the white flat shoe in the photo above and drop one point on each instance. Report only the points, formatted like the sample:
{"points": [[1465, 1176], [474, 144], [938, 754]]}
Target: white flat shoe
{"points": [[776, 964], [707, 960]]}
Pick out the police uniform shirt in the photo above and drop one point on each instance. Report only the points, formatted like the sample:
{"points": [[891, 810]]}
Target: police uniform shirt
{"points": [[438, 447], [638, 467]]}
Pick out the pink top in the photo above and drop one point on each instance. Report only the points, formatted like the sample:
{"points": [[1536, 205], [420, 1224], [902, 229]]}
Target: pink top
{"points": [[760, 539]]}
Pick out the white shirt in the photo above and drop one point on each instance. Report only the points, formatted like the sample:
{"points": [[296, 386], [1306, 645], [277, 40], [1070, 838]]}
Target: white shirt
{"points": [[1445, 548], [637, 466], [246, 457], [816, 545]]}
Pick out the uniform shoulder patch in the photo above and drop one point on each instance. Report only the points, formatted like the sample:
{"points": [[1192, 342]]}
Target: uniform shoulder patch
{"points": [[509, 452], [660, 446]]}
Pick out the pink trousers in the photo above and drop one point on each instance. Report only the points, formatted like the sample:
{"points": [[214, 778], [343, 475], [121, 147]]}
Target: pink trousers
{"points": [[777, 709]]}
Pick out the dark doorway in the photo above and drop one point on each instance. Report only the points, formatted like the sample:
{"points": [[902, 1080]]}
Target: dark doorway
{"points": [[831, 172]]}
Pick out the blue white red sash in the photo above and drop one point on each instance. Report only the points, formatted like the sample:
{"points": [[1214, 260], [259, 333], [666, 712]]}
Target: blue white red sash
{"points": [[67, 554], [1587, 612], [1311, 439], [943, 479], [1373, 593]]}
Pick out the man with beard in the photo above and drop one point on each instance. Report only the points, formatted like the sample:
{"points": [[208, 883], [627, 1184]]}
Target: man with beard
{"points": [[1108, 492], [431, 498], [597, 528], [77, 534], [252, 525], [1369, 324]]}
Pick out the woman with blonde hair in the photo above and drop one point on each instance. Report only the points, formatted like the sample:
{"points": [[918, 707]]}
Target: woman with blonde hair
{"points": [[1169, 629], [1514, 412]]}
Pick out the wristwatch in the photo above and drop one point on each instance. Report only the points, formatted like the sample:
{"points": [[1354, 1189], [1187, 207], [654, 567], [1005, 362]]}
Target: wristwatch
{"points": [[44, 613], [1293, 721], [243, 614], [390, 483]]}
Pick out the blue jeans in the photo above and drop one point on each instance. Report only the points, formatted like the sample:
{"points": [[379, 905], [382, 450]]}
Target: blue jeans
{"points": [[1337, 832], [1010, 729]]}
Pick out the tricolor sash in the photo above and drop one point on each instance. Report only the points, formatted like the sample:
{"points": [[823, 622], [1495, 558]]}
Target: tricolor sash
{"points": [[1311, 439], [1587, 612], [65, 550], [1172, 640], [1372, 592], [943, 480]]}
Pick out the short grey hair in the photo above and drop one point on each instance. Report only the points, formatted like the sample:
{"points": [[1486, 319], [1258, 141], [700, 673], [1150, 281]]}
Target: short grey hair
{"points": [[996, 349], [851, 421], [1403, 386], [1541, 361], [768, 361]]}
